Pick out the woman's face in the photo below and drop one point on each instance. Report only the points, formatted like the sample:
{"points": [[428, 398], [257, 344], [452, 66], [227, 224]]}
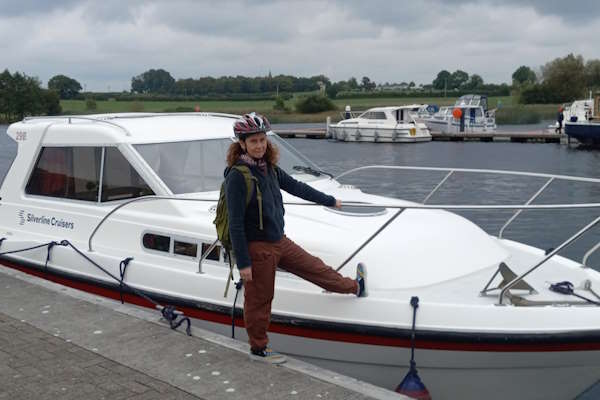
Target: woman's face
{"points": [[255, 145]]}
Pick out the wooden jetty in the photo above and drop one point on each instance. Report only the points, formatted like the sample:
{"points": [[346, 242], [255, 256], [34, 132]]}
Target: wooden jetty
{"points": [[540, 136]]}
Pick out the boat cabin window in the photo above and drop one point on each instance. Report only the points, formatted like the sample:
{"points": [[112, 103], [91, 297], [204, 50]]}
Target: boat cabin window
{"points": [[185, 249], [74, 173], [377, 115], [214, 254], [66, 172], [198, 165], [120, 180], [187, 167], [157, 242]]}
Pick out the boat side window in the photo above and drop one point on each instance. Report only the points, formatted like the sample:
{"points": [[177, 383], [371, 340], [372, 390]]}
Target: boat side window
{"points": [[185, 249], [66, 172], [214, 254], [378, 115], [157, 242], [120, 180]]}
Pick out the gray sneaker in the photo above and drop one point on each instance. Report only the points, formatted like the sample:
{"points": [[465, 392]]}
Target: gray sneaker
{"points": [[267, 355]]}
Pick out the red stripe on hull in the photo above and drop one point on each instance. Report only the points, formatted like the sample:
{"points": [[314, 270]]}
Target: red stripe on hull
{"points": [[311, 333]]}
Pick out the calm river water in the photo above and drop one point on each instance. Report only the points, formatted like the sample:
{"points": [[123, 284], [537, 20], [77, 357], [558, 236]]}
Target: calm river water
{"points": [[544, 229]]}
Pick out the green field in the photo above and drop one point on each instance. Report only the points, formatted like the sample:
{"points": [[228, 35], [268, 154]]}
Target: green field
{"points": [[509, 112]]}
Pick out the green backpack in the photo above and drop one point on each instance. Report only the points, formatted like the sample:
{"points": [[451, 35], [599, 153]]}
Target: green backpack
{"points": [[222, 219]]}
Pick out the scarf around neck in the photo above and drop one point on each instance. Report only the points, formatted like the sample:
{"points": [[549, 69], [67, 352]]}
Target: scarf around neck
{"points": [[262, 164]]}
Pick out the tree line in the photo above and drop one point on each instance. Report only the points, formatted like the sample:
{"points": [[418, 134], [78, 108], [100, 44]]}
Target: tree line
{"points": [[561, 80], [159, 81], [558, 81], [22, 95]]}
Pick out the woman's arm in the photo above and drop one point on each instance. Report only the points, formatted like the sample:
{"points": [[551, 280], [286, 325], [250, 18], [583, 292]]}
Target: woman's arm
{"points": [[304, 191], [235, 193]]}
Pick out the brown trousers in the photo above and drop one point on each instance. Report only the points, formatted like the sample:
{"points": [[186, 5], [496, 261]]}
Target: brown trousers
{"points": [[258, 293]]}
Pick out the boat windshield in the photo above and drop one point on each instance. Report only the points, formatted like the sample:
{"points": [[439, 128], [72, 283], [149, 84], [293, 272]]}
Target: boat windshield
{"points": [[198, 165]]}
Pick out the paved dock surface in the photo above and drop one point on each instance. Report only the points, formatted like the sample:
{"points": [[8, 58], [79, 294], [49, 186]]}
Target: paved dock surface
{"points": [[59, 343]]}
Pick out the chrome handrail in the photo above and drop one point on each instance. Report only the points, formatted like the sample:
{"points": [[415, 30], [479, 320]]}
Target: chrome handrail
{"points": [[68, 119], [484, 171], [550, 177], [106, 118], [366, 205], [438, 186], [548, 256], [589, 253], [516, 214]]}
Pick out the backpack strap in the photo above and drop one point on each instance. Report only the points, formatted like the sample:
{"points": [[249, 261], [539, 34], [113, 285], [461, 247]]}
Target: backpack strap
{"points": [[249, 178]]}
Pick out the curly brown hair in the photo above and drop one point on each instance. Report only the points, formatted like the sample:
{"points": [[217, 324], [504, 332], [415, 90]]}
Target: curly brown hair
{"points": [[235, 151]]}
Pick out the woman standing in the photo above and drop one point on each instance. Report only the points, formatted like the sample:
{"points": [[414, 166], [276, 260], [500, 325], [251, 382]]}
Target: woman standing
{"points": [[257, 232]]}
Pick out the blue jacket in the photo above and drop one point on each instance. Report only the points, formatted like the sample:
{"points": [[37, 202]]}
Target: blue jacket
{"points": [[244, 221]]}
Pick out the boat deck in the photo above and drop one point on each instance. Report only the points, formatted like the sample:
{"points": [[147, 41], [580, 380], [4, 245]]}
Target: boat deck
{"points": [[57, 342]]}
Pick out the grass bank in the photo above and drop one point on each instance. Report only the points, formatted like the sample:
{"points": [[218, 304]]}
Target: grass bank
{"points": [[509, 112]]}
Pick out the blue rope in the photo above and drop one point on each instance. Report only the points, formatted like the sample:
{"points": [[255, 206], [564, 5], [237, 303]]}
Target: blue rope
{"points": [[122, 269], [167, 311], [238, 286], [566, 287]]}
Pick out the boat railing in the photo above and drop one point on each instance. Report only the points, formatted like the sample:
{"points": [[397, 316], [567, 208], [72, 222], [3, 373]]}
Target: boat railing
{"points": [[110, 118], [550, 178], [69, 119], [518, 208], [353, 114]]}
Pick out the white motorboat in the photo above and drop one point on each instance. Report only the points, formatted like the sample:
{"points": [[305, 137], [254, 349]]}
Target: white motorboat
{"points": [[469, 114], [382, 124], [136, 194]]}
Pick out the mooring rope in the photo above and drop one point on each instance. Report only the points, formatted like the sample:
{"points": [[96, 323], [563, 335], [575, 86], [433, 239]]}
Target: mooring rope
{"points": [[238, 286], [168, 312], [566, 287], [122, 269]]}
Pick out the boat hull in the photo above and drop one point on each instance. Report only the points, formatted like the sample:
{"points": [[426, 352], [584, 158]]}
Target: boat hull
{"points": [[454, 127], [380, 135], [587, 132], [452, 364]]}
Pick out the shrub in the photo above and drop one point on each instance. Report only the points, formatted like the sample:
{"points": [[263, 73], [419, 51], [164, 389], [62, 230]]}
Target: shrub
{"points": [[280, 105], [313, 104], [179, 109], [517, 116], [136, 106], [90, 104]]}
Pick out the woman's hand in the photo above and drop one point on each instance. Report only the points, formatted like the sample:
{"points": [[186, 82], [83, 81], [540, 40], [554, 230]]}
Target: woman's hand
{"points": [[338, 204], [246, 274]]}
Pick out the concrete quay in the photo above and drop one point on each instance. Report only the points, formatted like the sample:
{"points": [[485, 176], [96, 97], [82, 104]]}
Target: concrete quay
{"points": [[60, 343]]}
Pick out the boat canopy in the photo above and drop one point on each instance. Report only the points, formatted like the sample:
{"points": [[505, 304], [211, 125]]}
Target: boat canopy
{"points": [[472, 100]]}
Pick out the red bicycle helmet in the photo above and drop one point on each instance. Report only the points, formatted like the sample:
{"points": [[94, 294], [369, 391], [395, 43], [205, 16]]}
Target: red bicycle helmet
{"points": [[250, 124]]}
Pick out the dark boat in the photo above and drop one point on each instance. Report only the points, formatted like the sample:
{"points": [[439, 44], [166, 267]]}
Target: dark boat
{"points": [[586, 129]]}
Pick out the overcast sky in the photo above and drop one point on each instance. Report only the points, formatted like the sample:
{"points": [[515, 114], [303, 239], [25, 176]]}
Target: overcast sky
{"points": [[103, 44]]}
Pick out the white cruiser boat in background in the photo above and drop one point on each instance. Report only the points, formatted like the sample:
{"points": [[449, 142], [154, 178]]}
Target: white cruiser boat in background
{"points": [[382, 124], [469, 114], [94, 191]]}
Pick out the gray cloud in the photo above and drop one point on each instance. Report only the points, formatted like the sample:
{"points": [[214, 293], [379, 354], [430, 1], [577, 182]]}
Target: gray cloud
{"points": [[105, 43]]}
